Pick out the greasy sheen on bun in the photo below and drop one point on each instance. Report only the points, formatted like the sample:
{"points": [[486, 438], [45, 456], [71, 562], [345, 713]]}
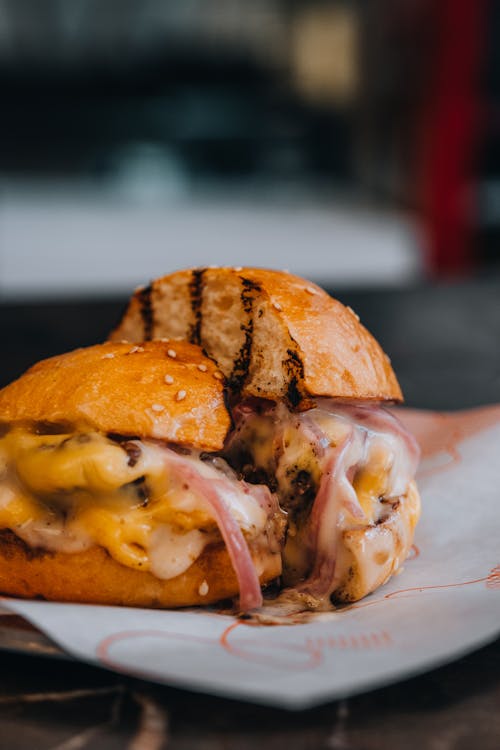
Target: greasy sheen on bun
{"points": [[273, 335], [169, 391], [110, 491]]}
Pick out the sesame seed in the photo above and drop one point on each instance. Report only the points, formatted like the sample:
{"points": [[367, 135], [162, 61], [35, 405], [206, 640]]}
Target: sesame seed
{"points": [[218, 375], [172, 353], [277, 306], [352, 312], [168, 379], [311, 290], [158, 407], [238, 269], [124, 341], [180, 396], [202, 368], [136, 349], [203, 589], [164, 339], [388, 359], [110, 355]]}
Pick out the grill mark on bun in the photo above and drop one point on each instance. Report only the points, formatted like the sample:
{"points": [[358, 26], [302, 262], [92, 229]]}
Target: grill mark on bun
{"points": [[241, 364], [147, 312], [294, 368], [226, 395], [196, 294]]}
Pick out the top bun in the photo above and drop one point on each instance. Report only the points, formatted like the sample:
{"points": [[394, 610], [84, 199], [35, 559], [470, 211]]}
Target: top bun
{"points": [[163, 390], [274, 335]]}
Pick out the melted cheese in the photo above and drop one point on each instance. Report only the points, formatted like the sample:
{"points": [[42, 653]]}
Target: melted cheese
{"points": [[294, 448], [285, 444], [66, 493], [371, 483], [49, 464]]}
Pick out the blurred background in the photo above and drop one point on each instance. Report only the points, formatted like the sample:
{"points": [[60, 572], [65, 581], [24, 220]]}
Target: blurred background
{"points": [[352, 142]]}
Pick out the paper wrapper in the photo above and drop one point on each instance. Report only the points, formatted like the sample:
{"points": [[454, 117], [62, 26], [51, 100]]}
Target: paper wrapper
{"points": [[444, 603]]}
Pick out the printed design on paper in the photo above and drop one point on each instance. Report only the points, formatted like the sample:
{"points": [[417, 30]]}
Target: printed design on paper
{"points": [[440, 433], [238, 642], [491, 581]]}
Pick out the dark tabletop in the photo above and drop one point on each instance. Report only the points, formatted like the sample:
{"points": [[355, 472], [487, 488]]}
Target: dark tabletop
{"points": [[444, 342]]}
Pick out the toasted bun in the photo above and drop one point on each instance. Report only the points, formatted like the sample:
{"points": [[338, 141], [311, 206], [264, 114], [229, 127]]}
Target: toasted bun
{"points": [[95, 577], [369, 557], [273, 335], [121, 388]]}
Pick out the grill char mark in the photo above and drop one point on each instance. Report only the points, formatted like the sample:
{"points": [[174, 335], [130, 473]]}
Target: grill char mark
{"points": [[196, 294], [295, 371], [241, 365], [147, 312]]}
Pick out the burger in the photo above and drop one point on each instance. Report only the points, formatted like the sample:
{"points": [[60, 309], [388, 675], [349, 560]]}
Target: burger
{"points": [[111, 489], [233, 432], [308, 389]]}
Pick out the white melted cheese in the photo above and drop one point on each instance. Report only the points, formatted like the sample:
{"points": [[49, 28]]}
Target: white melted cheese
{"points": [[374, 469], [171, 553], [66, 493]]}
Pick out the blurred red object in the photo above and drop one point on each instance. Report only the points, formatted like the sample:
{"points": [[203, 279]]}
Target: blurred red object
{"points": [[453, 120]]}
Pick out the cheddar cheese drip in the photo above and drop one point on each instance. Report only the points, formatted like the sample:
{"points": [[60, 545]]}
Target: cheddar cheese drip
{"points": [[65, 493]]}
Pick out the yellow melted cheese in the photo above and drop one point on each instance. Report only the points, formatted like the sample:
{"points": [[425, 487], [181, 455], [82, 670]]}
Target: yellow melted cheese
{"points": [[66, 493]]}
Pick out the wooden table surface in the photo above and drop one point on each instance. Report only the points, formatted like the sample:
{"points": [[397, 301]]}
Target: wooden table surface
{"points": [[445, 346]]}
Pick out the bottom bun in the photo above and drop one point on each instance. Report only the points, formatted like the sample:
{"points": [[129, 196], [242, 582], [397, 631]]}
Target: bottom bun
{"points": [[368, 557], [94, 577]]}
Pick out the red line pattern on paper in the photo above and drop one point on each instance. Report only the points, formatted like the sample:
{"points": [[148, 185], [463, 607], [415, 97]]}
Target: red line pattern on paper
{"points": [[413, 553], [361, 641], [441, 433], [491, 581]]}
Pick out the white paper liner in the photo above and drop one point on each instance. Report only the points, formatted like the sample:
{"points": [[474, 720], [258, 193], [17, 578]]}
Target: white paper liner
{"points": [[446, 601]]}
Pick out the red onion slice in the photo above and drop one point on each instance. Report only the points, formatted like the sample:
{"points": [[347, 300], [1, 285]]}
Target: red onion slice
{"points": [[212, 490], [335, 492]]}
